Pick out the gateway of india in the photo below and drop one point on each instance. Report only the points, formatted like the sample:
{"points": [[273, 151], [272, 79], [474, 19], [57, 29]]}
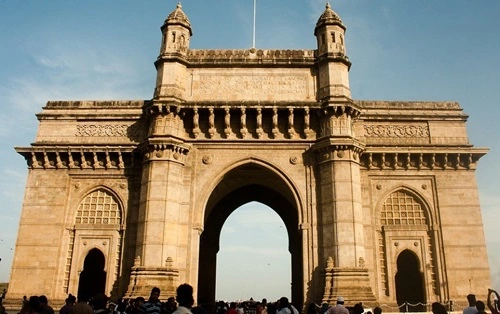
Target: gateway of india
{"points": [[379, 198]]}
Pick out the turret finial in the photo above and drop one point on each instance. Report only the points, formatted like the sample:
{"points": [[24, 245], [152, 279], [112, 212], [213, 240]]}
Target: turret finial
{"points": [[179, 5], [328, 5]]}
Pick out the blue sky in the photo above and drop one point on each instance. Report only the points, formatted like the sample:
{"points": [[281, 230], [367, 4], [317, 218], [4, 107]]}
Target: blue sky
{"points": [[400, 50]]}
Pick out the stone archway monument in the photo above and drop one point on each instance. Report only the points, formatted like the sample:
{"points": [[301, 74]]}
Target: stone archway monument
{"points": [[356, 182], [291, 110]]}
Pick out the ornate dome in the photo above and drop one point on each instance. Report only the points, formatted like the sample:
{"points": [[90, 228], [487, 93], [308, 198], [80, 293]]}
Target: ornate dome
{"points": [[329, 17], [178, 16]]}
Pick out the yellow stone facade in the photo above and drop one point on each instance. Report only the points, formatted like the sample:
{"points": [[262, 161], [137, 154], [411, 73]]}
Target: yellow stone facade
{"points": [[374, 194]]}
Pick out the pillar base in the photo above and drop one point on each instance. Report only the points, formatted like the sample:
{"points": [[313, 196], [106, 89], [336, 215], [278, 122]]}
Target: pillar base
{"points": [[143, 279], [353, 284]]}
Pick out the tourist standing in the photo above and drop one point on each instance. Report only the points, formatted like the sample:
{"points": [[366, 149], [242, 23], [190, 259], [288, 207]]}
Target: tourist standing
{"points": [[284, 307], [153, 306], [438, 308], [184, 299], [170, 306], [338, 308], [81, 307], [471, 309], [70, 301]]}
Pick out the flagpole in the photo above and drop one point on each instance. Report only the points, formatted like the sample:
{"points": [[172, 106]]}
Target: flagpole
{"points": [[254, 12]]}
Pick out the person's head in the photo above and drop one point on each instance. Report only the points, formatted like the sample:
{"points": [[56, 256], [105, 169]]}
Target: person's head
{"points": [[438, 308], [171, 302], [311, 308], [340, 300], [34, 303], [155, 294], [358, 308], [100, 301], [264, 301], [139, 301], [43, 300], [377, 310], [283, 302], [112, 306], [185, 295], [480, 306], [71, 299], [472, 299]]}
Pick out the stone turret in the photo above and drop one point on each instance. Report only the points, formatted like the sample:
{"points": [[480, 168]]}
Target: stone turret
{"points": [[176, 32], [333, 63], [170, 65]]}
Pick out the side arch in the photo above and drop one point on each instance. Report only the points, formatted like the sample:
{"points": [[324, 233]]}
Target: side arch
{"points": [[406, 222], [97, 224]]}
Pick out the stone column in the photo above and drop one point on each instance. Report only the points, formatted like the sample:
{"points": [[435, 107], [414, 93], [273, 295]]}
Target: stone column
{"points": [[161, 217], [341, 217]]}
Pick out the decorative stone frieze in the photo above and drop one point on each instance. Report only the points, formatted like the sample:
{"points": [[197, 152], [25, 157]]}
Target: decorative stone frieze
{"points": [[249, 56], [101, 130], [400, 131]]}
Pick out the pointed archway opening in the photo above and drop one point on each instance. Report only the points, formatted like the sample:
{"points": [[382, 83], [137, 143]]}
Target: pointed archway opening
{"points": [[253, 256], [93, 277], [248, 183], [409, 283]]}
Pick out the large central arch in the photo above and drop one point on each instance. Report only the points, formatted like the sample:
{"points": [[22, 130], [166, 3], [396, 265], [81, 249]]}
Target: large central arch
{"points": [[246, 183]]}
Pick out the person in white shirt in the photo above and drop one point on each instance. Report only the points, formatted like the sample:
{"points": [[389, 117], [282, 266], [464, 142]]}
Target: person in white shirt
{"points": [[284, 307], [471, 309], [184, 299]]}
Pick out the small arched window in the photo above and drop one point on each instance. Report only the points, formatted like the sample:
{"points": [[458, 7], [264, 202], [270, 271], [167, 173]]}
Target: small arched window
{"points": [[99, 207]]}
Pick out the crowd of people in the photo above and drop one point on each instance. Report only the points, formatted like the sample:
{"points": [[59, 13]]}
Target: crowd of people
{"points": [[184, 301], [477, 306]]}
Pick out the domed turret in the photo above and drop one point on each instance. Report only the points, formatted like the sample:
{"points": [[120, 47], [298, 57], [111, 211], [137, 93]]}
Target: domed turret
{"points": [[176, 32], [329, 17], [178, 16], [330, 32], [171, 63], [333, 63]]}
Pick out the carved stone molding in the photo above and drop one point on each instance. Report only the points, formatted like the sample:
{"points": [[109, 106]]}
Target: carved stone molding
{"points": [[101, 130], [428, 160], [71, 157], [398, 131]]}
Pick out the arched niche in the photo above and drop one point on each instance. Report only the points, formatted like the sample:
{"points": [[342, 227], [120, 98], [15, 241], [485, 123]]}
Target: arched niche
{"points": [[92, 279], [410, 291]]}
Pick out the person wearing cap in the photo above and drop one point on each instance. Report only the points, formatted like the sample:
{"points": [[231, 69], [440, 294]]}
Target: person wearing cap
{"points": [[471, 309], [338, 308]]}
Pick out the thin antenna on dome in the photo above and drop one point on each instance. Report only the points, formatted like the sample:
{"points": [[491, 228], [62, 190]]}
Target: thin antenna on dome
{"points": [[254, 13]]}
